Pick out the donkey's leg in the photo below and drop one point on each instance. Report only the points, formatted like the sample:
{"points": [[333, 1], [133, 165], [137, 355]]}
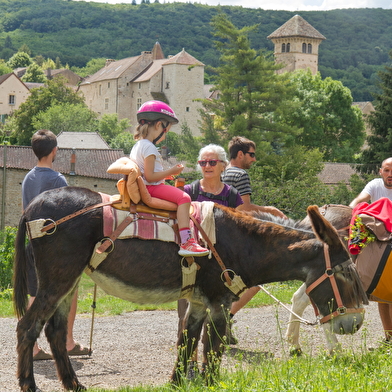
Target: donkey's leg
{"points": [[56, 333], [188, 339], [28, 331], [299, 301], [214, 340]]}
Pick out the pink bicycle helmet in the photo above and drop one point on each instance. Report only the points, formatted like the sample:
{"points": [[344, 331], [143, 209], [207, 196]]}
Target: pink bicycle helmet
{"points": [[156, 110]]}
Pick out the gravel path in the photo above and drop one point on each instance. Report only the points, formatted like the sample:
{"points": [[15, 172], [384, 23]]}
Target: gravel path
{"points": [[139, 347]]}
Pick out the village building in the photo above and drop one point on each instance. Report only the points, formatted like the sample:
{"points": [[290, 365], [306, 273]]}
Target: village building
{"points": [[123, 86], [13, 92], [296, 45]]}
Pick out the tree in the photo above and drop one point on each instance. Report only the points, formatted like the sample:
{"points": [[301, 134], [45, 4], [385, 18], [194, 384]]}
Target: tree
{"points": [[252, 95], [19, 60], [327, 117], [380, 140], [24, 49], [91, 67], [66, 117], [109, 127], [48, 64], [41, 99], [34, 74], [4, 68], [289, 181]]}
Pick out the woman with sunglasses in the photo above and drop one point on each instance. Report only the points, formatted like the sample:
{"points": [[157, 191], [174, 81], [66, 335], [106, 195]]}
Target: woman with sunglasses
{"points": [[155, 119], [212, 162]]}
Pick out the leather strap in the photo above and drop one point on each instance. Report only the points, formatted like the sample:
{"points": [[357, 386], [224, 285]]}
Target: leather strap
{"points": [[77, 213], [213, 250]]}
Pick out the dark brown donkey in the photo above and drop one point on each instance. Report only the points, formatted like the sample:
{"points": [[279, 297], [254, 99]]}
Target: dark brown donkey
{"points": [[149, 272]]}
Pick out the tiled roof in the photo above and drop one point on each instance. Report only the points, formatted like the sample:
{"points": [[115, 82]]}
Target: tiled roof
{"points": [[112, 70], [89, 162], [31, 85], [155, 67], [81, 140], [183, 58], [296, 27], [333, 173]]}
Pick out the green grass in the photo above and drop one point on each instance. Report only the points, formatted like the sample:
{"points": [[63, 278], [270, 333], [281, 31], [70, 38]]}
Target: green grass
{"points": [[368, 371], [364, 369]]}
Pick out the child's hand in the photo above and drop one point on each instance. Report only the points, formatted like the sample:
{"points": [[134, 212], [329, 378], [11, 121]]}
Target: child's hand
{"points": [[177, 169]]}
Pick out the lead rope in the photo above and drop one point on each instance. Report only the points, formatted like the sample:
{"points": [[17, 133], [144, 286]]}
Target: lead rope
{"points": [[300, 319]]}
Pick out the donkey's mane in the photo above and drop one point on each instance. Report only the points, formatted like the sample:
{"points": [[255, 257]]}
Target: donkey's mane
{"points": [[253, 219]]}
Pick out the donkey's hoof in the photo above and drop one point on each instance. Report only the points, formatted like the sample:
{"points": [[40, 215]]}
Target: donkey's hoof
{"points": [[295, 352]]}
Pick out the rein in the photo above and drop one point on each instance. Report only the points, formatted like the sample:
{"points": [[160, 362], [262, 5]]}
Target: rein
{"points": [[330, 274]]}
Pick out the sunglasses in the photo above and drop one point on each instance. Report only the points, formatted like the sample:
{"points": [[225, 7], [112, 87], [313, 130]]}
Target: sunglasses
{"points": [[211, 162], [251, 154]]}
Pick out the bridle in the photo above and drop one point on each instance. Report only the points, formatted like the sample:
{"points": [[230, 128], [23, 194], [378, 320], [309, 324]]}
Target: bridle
{"points": [[330, 274]]}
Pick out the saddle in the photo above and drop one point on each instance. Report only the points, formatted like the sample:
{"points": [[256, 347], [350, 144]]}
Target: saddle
{"points": [[133, 193]]}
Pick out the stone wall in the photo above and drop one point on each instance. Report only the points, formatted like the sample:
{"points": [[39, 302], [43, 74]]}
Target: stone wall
{"points": [[13, 192]]}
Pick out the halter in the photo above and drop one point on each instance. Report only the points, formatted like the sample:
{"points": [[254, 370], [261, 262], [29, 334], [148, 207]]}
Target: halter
{"points": [[330, 274]]}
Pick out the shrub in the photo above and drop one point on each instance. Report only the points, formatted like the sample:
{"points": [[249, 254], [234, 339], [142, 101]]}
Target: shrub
{"points": [[7, 250]]}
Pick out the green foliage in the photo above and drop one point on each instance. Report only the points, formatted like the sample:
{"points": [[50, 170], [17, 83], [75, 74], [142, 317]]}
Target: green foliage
{"points": [[190, 146], [19, 59], [91, 67], [289, 181], [34, 74], [55, 92], [252, 97], [7, 240], [4, 68], [357, 45], [66, 117], [380, 141], [109, 126], [328, 120]]}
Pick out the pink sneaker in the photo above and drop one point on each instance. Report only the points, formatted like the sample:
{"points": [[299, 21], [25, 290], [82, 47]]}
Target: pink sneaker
{"points": [[192, 248]]}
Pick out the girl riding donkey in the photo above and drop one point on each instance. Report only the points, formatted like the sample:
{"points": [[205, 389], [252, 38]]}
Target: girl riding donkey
{"points": [[155, 119]]}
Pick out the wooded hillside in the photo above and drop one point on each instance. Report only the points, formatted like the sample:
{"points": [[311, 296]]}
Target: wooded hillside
{"points": [[357, 45]]}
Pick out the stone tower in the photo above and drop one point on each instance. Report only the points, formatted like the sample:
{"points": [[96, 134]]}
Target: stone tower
{"points": [[296, 45]]}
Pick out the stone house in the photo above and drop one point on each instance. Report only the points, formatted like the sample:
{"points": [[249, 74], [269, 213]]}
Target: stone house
{"points": [[122, 86], [296, 45], [81, 167], [13, 92]]}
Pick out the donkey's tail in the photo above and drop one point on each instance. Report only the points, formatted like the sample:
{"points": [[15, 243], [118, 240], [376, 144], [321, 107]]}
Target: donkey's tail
{"points": [[20, 270]]}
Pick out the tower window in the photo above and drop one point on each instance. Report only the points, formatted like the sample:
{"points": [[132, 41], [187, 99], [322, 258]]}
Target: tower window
{"points": [[309, 48], [283, 48], [288, 47], [304, 48]]}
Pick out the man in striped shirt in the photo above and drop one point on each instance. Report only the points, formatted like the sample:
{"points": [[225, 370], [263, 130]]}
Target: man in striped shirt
{"points": [[242, 153]]}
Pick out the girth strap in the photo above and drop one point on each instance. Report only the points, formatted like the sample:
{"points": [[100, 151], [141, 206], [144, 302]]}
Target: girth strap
{"points": [[213, 250]]}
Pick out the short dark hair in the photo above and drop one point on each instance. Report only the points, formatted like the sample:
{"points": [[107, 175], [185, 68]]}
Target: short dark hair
{"points": [[43, 142], [240, 143]]}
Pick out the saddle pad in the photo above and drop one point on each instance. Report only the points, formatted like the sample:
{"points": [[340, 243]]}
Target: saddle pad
{"points": [[374, 265], [145, 229]]}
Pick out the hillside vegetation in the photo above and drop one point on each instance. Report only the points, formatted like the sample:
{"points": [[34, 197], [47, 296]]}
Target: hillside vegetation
{"points": [[357, 44]]}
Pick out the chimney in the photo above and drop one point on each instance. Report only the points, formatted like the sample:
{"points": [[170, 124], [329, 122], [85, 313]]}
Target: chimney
{"points": [[108, 61], [73, 162]]}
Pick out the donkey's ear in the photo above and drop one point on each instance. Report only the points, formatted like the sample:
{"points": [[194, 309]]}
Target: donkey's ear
{"points": [[322, 228]]}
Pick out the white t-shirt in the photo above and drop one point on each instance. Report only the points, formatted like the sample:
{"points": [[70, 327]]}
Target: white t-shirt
{"points": [[140, 151], [376, 189]]}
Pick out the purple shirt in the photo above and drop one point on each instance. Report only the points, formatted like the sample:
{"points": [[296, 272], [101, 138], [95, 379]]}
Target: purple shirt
{"points": [[225, 193]]}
